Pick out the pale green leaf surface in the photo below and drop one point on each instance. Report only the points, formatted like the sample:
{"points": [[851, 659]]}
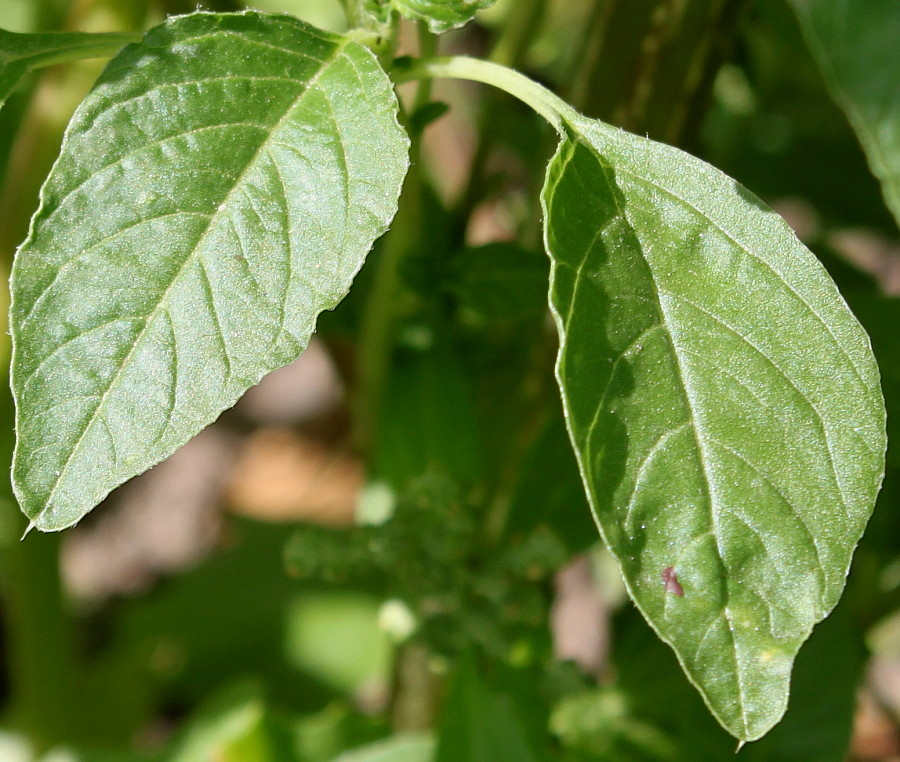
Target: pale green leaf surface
{"points": [[724, 405], [442, 15], [857, 45], [218, 189], [20, 53], [401, 748]]}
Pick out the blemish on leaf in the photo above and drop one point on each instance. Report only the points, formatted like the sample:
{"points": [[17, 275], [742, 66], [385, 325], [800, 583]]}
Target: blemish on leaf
{"points": [[670, 579]]}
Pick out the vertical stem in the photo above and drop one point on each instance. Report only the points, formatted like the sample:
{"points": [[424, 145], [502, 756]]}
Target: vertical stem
{"points": [[427, 49], [648, 65], [417, 690], [46, 701], [379, 318], [588, 51], [518, 32], [40, 644]]}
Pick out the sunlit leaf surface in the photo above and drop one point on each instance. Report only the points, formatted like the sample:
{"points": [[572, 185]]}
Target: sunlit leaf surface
{"points": [[724, 405], [442, 15], [217, 190]]}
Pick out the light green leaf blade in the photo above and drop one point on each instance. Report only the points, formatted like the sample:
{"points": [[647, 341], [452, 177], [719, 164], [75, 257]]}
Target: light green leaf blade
{"points": [[219, 188], [857, 45], [401, 748], [20, 53], [724, 405], [442, 15]]}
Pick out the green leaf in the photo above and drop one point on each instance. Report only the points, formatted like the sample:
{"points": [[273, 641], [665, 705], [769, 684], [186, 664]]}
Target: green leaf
{"points": [[232, 728], [373, 15], [855, 43], [219, 188], [429, 422], [442, 15], [397, 749], [478, 724], [550, 493], [499, 281], [20, 53], [817, 725], [724, 405]]}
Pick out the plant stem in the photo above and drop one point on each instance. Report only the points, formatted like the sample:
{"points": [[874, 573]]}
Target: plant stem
{"points": [[427, 49], [416, 690], [648, 65], [518, 31], [376, 335], [555, 110], [587, 51]]}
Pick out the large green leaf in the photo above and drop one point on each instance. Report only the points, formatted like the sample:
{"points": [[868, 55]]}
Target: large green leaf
{"points": [[442, 15], [724, 405], [856, 45], [20, 53], [218, 189]]}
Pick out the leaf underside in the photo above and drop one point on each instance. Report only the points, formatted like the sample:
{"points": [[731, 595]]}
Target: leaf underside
{"points": [[724, 405], [219, 188], [856, 45], [20, 53], [442, 15]]}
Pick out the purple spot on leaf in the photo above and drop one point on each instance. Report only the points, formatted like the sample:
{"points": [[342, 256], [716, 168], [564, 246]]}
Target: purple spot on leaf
{"points": [[670, 579]]}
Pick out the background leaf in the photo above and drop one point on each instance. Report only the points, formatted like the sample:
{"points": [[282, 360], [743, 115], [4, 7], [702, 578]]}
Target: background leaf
{"points": [[719, 449], [20, 53], [855, 43], [442, 15], [218, 189], [498, 282], [478, 724], [397, 749]]}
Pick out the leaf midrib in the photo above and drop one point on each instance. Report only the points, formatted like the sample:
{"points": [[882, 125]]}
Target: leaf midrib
{"points": [[695, 426], [191, 257]]}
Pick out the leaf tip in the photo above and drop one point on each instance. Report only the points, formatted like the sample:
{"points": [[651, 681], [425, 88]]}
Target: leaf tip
{"points": [[31, 526]]}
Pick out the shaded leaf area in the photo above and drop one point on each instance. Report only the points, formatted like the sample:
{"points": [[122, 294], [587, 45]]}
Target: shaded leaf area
{"points": [[20, 53], [550, 493], [442, 15], [773, 120], [498, 282], [480, 724], [880, 315], [651, 713], [855, 43], [218, 189], [717, 450], [428, 420]]}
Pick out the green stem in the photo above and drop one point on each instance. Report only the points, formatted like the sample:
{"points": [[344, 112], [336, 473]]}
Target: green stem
{"points": [[427, 49], [518, 32], [588, 51], [100, 45], [376, 341], [553, 108]]}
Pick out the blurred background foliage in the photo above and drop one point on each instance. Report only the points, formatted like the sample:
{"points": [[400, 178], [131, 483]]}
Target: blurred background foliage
{"points": [[413, 574]]}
